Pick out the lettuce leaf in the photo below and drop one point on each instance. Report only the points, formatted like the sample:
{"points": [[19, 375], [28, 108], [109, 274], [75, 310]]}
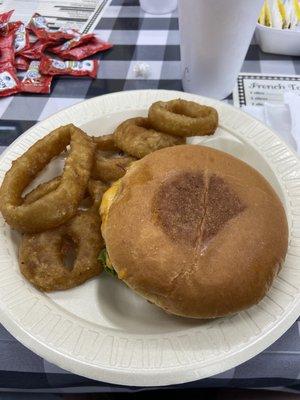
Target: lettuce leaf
{"points": [[107, 265]]}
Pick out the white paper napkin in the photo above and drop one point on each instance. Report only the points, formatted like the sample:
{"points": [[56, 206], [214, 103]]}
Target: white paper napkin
{"points": [[283, 118]]}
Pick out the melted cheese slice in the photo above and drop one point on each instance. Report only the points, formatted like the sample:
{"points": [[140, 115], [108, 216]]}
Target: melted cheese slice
{"points": [[107, 200]]}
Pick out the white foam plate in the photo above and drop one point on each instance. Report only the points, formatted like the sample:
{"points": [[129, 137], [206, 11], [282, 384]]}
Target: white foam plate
{"points": [[102, 330]]}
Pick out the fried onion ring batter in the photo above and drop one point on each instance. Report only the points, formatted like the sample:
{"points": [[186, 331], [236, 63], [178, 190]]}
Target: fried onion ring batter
{"points": [[109, 167], [105, 142], [96, 190], [42, 255], [183, 118], [136, 137], [42, 259], [59, 205], [42, 189]]}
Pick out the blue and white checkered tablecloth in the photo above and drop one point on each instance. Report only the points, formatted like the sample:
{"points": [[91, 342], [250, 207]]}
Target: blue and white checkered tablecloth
{"points": [[152, 39]]}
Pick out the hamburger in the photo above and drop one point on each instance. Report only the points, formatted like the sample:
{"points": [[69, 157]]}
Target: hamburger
{"points": [[195, 231]]}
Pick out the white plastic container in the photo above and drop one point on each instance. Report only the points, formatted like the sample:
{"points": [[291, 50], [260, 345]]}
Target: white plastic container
{"points": [[158, 6], [214, 38], [278, 41]]}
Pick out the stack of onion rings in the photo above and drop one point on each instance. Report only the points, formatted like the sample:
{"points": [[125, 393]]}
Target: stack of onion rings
{"points": [[54, 217]]}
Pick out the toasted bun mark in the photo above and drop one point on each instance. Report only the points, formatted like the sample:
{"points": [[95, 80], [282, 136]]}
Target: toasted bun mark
{"points": [[222, 204], [179, 206], [191, 208]]}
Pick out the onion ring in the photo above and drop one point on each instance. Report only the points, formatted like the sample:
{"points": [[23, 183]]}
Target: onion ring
{"points": [[59, 205], [110, 167], [95, 188], [183, 118], [42, 254], [105, 142], [42, 259], [136, 137]]}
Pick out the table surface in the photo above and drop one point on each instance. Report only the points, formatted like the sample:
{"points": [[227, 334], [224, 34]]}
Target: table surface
{"points": [[137, 37]]}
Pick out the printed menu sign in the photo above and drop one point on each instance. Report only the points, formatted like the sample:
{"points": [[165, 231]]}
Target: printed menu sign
{"points": [[256, 89], [80, 14]]}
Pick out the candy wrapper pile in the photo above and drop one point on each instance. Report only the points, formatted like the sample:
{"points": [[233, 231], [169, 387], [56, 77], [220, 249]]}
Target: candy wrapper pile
{"points": [[28, 48]]}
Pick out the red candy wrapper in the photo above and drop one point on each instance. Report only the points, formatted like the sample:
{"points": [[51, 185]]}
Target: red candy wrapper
{"points": [[82, 49], [39, 27], [9, 82], [35, 50], [4, 18], [21, 63], [7, 52], [49, 66], [34, 82], [21, 39]]}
